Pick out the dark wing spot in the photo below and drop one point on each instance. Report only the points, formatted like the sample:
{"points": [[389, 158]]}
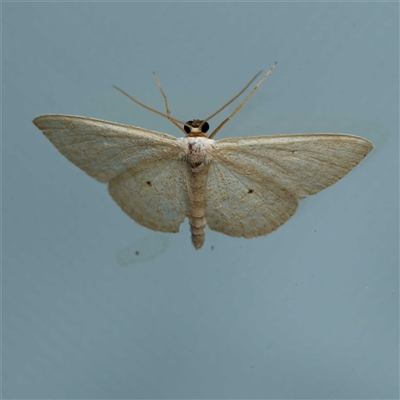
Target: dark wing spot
{"points": [[149, 183], [250, 191]]}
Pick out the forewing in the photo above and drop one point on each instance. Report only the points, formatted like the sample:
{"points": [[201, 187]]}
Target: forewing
{"points": [[104, 149], [301, 164], [154, 195]]}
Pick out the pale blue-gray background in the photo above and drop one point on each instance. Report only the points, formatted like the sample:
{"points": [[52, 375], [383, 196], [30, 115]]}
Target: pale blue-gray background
{"points": [[309, 311]]}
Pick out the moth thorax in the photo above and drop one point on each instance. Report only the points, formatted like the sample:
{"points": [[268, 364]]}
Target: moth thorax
{"points": [[196, 152]]}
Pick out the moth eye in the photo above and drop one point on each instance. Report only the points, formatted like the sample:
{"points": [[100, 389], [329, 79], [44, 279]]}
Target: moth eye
{"points": [[205, 127], [187, 126]]}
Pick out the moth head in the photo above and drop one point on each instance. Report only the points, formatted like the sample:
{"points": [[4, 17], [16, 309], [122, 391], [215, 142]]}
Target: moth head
{"points": [[196, 127]]}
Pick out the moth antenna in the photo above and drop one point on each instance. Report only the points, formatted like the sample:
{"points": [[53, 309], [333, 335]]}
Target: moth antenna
{"points": [[243, 102], [173, 120], [231, 100]]}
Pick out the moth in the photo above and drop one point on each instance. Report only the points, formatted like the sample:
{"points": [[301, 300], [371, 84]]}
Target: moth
{"points": [[244, 187]]}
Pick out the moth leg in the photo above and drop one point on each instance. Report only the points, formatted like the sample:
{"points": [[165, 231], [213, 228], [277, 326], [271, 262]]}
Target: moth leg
{"points": [[165, 101]]}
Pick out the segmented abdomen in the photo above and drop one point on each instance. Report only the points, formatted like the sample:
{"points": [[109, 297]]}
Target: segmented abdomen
{"points": [[197, 206]]}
